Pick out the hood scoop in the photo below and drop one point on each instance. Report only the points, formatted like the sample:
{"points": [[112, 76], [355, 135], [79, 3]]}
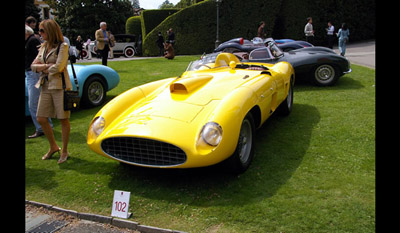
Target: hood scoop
{"points": [[190, 84]]}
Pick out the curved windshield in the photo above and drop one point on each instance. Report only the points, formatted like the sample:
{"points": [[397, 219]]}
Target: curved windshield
{"points": [[275, 50], [203, 62]]}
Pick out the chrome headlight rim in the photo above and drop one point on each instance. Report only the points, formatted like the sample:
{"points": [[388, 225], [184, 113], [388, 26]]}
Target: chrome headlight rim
{"points": [[98, 125], [211, 133]]}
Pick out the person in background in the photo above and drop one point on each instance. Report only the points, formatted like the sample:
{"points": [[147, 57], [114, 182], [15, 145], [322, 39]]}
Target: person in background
{"points": [[169, 50], [51, 61], [89, 53], [261, 30], [309, 31], [160, 44], [31, 22], [112, 44], [103, 41], [31, 50], [329, 32], [343, 35], [79, 46], [171, 36]]}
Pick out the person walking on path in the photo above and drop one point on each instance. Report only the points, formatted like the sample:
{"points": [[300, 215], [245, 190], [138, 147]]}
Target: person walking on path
{"points": [[309, 31], [51, 61], [103, 39], [160, 44], [31, 50], [343, 35]]}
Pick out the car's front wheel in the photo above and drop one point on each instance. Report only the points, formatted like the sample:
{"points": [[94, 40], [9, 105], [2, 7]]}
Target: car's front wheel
{"points": [[94, 91], [325, 75], [244, 152]]}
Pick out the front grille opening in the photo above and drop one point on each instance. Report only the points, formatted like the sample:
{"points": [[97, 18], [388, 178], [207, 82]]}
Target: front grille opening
{"points": [[143, 151]]}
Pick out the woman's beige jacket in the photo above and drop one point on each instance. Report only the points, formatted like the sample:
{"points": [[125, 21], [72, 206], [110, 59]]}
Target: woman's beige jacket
{"points": [[60, 65]]}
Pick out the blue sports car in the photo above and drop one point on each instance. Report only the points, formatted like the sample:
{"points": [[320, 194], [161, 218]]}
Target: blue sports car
{"points": [[93, 80]]}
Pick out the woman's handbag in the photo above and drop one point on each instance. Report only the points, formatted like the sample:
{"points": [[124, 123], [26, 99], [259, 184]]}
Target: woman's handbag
{"points": [[71, 98]]}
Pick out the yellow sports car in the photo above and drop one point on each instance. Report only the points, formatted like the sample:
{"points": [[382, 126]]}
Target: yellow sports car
{"points": [[203, 117]]}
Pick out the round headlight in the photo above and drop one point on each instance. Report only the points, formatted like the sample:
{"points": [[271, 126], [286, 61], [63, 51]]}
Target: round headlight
{"points": [[98, 125], [212, 133]]}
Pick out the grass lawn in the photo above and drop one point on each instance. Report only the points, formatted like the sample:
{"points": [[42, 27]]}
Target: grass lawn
{"points": [[313, 171]]}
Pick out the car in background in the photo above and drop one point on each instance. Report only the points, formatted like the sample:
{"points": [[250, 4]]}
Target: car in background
{"points": [[241, 44], [125, 44], [93, 80]]}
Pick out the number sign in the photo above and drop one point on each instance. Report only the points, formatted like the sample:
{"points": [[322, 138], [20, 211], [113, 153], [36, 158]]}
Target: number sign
{"points": [[120, 204]]}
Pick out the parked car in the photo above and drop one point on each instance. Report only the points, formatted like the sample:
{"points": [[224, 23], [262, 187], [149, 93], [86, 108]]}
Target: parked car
{"points": [[241, 44], [93, 80], [321, 65], [203, 117], [125, 44]]}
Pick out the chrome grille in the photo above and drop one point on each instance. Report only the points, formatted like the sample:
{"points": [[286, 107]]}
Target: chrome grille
{"points": [[143, 151]]}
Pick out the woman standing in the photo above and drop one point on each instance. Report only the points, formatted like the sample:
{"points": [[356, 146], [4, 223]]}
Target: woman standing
{"points": [[51, 60], [343, 35]]}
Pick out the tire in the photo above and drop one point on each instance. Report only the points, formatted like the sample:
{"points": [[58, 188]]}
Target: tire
{"points": [[325, 75], [94, 91], [129, 52], [241, 159], [285, 108]]}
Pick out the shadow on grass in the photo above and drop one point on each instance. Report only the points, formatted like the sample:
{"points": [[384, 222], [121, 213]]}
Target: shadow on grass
{"points": [[280, 146]]}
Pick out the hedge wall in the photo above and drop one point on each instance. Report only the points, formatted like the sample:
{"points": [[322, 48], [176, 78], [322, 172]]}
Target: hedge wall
{"points": [[151, 18], [195, 26], [133, 26]]}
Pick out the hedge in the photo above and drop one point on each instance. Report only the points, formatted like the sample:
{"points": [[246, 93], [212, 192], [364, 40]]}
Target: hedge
{"points": [[133, 26], [151, 18], [195, 26]]}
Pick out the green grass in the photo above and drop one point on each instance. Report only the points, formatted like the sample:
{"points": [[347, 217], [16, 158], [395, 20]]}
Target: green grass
{"points": [[314, 171]]}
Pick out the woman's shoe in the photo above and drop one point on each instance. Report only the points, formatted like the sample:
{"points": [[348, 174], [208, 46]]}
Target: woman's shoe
{"points": [[49, 154], [63, 159]]}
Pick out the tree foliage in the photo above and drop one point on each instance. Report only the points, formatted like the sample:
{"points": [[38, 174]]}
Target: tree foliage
{"points": [[83, 17]]}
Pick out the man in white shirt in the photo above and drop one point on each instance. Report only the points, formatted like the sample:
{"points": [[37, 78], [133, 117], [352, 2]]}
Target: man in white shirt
{"points": [[329, 32], [309, 31]]}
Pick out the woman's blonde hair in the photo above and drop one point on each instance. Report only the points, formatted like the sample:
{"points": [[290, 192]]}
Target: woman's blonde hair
{"points": [[53, 31]]}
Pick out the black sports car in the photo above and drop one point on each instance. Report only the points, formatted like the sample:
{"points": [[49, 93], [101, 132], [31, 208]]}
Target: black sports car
{"points": [[319, 64], [241, 44]]}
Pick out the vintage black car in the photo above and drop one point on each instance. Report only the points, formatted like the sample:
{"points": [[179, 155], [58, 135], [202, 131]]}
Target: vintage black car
{"points": [[320, 65], [241, 44]]}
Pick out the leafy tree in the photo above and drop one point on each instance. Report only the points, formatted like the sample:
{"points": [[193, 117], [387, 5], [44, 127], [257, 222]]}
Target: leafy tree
{"points": [[83, 17], [166, 5]]}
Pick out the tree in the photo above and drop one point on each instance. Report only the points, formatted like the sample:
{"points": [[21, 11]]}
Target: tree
{"points": [[135, 4], [83, 17], [166, 5]]}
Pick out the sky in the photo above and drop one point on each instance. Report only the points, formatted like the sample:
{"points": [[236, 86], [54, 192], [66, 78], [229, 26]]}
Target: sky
{"points": [[153, 4]]}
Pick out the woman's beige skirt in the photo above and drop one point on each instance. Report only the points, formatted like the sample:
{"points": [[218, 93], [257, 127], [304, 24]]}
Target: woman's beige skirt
{"points": [[51, 103]]}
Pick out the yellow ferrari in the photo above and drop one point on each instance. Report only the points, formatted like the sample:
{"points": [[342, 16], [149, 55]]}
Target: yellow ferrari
{"points": [[203, 117]]}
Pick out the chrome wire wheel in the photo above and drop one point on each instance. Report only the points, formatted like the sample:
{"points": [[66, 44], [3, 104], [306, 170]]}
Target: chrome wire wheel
{"points": [[324, 74], [95, 92], [246, 141]]}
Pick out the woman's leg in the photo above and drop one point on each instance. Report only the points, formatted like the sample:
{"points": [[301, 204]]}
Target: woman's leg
{"points": [[65, 127], [48, 131]]}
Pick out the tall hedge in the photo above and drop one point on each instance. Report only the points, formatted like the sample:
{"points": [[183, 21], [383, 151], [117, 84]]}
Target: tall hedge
{"points": [[151, 18], [133, 26], [195, 26]]}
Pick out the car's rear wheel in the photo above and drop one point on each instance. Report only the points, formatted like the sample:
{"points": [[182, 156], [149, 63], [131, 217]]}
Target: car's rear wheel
{"points": [[244, 152], [325, 75], [94, 91]]}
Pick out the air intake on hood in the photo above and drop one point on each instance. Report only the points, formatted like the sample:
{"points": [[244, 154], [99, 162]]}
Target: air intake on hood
{"points": [[189, 85]]}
